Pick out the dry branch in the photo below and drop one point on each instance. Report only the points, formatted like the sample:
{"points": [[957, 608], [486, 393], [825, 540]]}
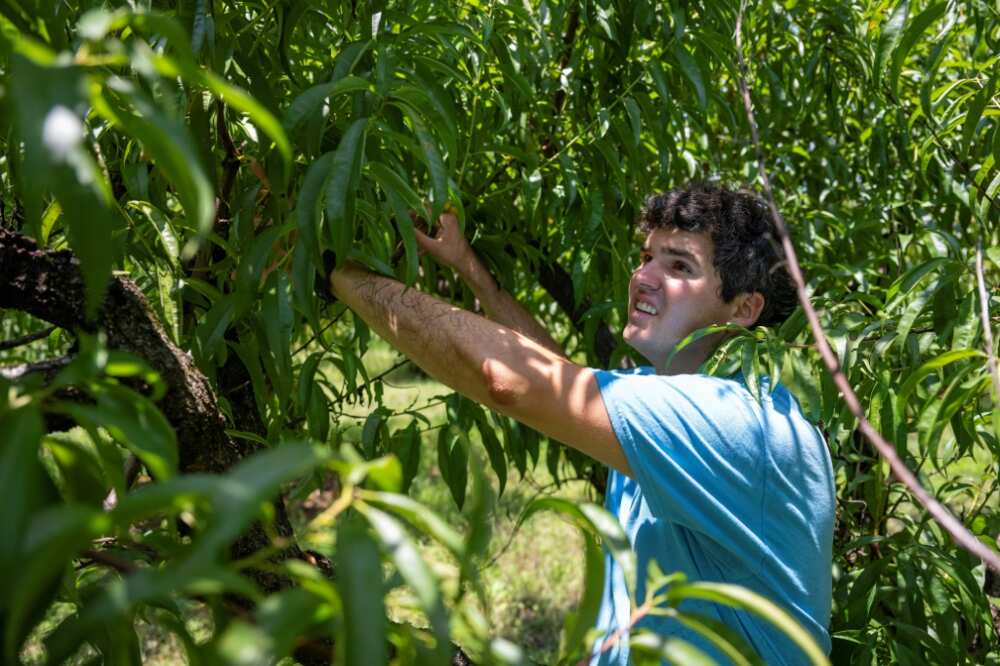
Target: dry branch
{"points": [[948, 522]]}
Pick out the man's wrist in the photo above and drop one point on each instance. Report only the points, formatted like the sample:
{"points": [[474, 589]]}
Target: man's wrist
{"points": [[340, 277]]}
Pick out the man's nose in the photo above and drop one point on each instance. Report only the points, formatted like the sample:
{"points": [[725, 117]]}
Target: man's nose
{"points": [[643, 280]]}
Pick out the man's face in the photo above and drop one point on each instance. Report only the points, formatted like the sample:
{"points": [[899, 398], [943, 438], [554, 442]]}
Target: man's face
{"points": [[674, 291]]}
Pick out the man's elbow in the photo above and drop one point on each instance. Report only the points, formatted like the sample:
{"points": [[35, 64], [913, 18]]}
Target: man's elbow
{"points": [[505, 388]]}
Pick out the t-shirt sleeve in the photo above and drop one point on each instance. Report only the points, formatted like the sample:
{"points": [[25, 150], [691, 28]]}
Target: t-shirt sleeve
{"points": [[694, 446]]}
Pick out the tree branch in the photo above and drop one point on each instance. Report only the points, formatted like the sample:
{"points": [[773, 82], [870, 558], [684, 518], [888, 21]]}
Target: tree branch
{"points": [[959, 534], [559, 285], [26, 339], [984, 313], [48, 367]]}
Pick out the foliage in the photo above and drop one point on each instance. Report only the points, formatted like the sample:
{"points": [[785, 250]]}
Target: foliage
{"points": [[212, 152]]}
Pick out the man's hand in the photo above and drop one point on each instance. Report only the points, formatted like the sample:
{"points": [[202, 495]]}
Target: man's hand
{"points": [[448, 246]]}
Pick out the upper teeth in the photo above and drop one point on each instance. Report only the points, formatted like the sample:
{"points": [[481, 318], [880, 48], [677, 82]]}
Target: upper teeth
{"points": [[645, 307]]}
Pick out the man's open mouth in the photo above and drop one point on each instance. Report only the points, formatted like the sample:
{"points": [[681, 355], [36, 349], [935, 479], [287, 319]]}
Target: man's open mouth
{"points": [[646, 308]]}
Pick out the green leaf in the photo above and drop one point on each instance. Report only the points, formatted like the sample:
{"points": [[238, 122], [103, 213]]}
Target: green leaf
{"points": [[744, 599], [974, 114], [359, 582], [288, 615], [494, 450], [22, 474], [400, 548], [278, 322], [49, 545], [692, 72], [722, 636], [405, 445], [31, 491], [82, 479], [420, 516], [432, 158], [572, 644], [889, 38], [597, 521], [47, 103], [170, 144], [930, 366], [135, 422], [671, 650], [370, 432], [402, 199], [308, 206], [342, 185], [243, 644], [453, 464], [914, 275], [914, 32], [312, 99]]}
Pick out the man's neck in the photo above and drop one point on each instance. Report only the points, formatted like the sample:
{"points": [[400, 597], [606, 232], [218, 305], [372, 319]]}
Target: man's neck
{"points": [[683, 363]]}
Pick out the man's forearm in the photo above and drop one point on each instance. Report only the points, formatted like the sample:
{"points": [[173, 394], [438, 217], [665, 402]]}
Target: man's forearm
{"points": [[501, 307], [449, 343]]}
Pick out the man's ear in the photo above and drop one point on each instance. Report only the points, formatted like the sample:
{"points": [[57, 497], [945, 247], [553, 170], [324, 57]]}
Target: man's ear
{"points": [[748, 308]]}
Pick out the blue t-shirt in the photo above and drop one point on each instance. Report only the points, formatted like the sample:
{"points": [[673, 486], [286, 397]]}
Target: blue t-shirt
{"points": [[724, 489]]}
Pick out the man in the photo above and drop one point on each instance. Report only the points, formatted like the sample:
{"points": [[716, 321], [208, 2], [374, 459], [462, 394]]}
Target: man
{"points": [[704, 479]]}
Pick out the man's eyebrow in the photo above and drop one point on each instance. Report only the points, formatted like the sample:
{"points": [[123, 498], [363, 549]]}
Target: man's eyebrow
{"points": [[680, 252]]}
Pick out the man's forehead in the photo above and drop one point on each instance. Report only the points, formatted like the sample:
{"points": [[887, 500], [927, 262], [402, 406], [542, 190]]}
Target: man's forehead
{"points": [[677, 241]]}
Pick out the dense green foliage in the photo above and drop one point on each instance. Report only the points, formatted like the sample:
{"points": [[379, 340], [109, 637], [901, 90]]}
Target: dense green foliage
{"points": [[212, 151]]}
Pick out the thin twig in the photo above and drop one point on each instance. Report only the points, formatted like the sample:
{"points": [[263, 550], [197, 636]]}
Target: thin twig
{"points": [[958, 532], [108, 560], [26, 339], [984, 313], [16, 372], [319, 332], [517, 526], [371, 381], [639, 613]]}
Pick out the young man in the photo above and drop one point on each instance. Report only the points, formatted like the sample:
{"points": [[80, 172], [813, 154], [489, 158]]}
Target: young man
{"points": [[704, 479]]}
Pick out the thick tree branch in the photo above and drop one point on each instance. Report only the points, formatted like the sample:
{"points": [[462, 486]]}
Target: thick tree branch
{"points": [[959, 534], [559, 285]]}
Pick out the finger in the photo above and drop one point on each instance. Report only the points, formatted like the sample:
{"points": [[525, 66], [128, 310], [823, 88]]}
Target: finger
{"points": [[419, 223], [448, 221], [423, 239]]}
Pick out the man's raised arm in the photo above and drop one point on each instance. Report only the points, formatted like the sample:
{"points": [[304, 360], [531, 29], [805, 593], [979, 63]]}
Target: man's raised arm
{"points": [[450, 247], [486, 362]]}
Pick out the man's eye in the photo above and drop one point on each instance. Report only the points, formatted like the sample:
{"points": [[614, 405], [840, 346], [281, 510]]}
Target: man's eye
{"points": [[681, 267]]}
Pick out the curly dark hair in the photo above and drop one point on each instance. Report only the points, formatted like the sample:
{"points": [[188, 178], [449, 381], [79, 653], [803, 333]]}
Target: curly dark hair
{"points": [[747, 254]]}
